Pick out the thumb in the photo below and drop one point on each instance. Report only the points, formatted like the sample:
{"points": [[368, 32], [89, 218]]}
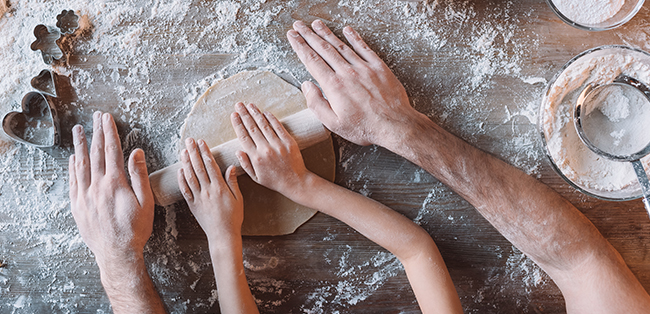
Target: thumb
{"points": [[140, 177], [318, 104], [231, 179]]}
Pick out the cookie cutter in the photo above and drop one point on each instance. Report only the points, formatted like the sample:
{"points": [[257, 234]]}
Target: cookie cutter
{"points": [[48, 38], [38, 122], [45, 82], [67, 22]]}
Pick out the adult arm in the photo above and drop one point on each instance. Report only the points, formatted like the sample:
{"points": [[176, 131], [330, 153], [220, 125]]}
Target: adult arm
{"points": [[115, 219], [219, 208], [272, 158], [366, 104]]}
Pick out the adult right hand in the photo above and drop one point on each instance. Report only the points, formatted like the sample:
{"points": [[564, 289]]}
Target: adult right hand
{"points": [[365, 104]]}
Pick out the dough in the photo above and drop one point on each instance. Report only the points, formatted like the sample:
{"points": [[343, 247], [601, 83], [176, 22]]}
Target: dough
{"points": [[265, 212]]}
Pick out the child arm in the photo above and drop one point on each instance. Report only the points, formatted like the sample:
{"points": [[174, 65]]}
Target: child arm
{"points": [[272, 158], [218, 207]]}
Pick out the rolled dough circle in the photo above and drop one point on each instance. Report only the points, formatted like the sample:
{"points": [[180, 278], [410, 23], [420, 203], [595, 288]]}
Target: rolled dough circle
{"points": [[266, 212]]}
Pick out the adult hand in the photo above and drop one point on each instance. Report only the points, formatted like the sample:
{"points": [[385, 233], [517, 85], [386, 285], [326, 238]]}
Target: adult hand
{"points": [[217, 206], [114, 219], [365, 104], [271, 157]]}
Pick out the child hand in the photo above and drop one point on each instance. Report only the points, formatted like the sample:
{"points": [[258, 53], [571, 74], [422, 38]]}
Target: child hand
{"points": [[271, 157], [217, 206]]}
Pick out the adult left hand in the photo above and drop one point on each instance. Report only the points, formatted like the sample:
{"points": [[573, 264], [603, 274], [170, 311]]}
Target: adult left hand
{"points": [[115, 219]]}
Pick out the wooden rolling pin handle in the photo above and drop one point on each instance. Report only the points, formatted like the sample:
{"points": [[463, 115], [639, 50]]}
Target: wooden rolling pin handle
{"points": [[303, 126]]}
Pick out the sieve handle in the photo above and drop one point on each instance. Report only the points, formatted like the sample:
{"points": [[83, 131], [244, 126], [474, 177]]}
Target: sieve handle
{"points": [[643, 180]]}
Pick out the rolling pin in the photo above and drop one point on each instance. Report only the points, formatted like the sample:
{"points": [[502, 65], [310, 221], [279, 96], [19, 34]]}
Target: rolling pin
{"points": [[303, 126]]}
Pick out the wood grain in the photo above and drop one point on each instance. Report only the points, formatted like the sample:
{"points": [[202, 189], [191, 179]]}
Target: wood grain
{"points": [[301, 272]]}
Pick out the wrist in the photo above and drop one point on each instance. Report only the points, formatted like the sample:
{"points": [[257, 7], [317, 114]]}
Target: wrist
{"points": [[113, 272], [400, 135], [302, 191], [226, 244]]}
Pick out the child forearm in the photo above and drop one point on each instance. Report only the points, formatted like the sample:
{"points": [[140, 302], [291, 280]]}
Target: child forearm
{"points": [[411, 244], [234, 293]]}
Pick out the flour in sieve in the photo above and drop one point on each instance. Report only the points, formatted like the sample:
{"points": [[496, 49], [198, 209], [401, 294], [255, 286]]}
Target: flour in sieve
{"points": [[572, 157]]}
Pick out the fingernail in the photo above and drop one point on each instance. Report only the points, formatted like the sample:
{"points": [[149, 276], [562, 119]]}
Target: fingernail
{"points": [[299, 24], [138, 156], [107, 117], [318, 24], [293, 33], [348, 30], [97, 115], [306, 87], [189, 141]]}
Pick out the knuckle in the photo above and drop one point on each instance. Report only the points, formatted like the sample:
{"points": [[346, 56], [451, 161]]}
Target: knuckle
{"points": [[351, 72], [112, 147], [313, 56], [336, 82], [267, 128]]}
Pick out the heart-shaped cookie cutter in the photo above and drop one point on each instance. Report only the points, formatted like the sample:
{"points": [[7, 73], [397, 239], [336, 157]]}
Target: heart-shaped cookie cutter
{"points": [[45, 82], [37, 124]]}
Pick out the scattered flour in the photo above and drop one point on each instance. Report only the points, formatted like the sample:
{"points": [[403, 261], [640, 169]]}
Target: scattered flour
{"points": [[133, 40], [589, 12], [583, 167]]}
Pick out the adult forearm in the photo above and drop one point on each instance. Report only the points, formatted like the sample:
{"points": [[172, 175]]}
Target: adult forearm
{"points": [[528, 213], [129, 287]]}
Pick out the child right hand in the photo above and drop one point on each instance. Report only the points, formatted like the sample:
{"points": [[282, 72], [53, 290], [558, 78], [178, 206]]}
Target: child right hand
{"points": [[217, 204], [271, 157]]}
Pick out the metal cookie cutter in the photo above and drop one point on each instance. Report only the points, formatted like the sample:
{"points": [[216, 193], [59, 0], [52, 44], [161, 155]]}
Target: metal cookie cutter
{"points": [[47, 37], [38, 123]]}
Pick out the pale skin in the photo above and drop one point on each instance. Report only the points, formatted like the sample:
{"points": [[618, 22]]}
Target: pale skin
{"points": [[218, 207], [271, 158], [366, 104], [115, 218]]}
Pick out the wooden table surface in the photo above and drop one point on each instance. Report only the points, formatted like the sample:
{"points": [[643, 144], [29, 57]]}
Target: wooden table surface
{"points": [[479, 68]]}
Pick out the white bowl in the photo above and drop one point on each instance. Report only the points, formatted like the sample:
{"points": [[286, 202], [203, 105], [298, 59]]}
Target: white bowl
{"points": [[626, 13]]}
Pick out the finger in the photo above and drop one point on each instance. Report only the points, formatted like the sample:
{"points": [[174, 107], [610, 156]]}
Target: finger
{"points": [[318, 104], [211, 166], [140, 177], [188, 173], [246, 164], [82, 161], [360, 46], [318, 68], [183, 187], [278, 128], [242, 134], [197, 162], [251, 126], [322, 47], [97, 147], [72, 179], [264, 125], [344, 50], [231, 179], [112, 147]]}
